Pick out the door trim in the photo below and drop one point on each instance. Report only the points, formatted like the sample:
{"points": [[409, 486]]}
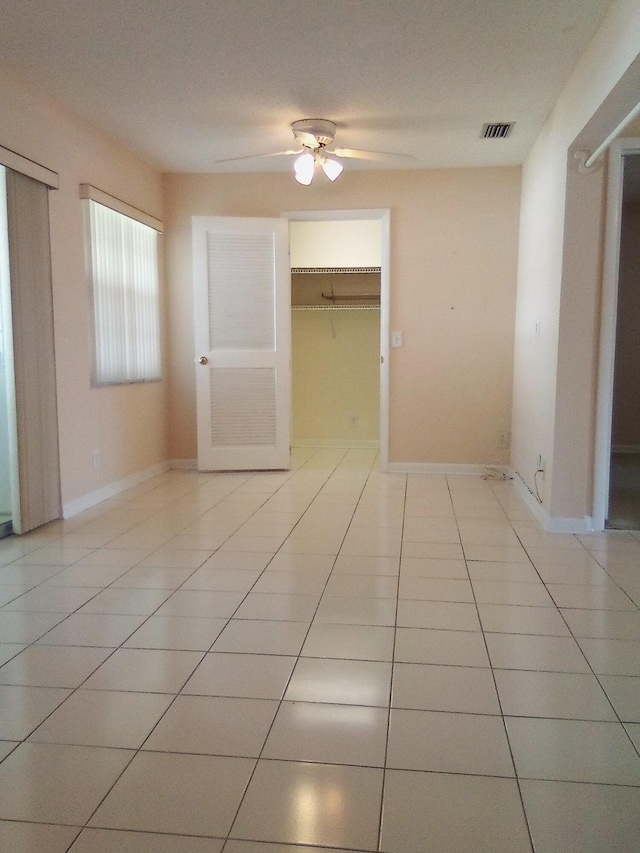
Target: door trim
{"points": [[383, 215], [608, 324]]}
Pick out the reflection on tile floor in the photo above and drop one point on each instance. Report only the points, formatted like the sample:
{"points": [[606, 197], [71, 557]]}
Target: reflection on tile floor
{"points": [[329, 658]]}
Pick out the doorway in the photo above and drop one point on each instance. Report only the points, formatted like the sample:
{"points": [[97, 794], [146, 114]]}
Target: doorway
{"points": [[617, 476], [340, 311], [7, 394]]}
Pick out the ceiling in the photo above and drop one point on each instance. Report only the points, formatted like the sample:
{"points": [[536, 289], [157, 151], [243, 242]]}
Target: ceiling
{"points": [[188, 82]]}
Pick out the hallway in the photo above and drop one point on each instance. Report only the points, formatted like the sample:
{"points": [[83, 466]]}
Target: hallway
{"points": [[326, 658]]}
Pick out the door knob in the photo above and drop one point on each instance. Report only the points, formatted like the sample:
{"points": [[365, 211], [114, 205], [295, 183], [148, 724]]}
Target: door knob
{"points": [[203, 360]]}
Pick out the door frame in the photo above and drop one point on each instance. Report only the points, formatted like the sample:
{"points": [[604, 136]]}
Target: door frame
{"points": [[608, 326], [382, 215]]}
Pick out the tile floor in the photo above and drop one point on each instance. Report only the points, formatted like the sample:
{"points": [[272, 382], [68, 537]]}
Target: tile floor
{"points": [[328, 658]]}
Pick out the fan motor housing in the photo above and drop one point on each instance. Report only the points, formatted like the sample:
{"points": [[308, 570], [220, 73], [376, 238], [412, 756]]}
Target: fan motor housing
{"points": [[314, 132]]}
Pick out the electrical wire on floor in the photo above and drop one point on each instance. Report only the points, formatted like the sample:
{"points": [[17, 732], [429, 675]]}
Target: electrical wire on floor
{"points": [[536, 494], [494, 472]]}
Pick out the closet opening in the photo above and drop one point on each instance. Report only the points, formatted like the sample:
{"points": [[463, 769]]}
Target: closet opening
{"points": [[336, 300]]}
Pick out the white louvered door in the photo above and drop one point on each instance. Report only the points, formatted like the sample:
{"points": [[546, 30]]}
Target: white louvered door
{"points": [[242, 301]]}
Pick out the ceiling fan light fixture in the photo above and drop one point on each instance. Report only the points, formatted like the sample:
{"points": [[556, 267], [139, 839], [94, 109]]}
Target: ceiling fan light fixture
{"points": [[304, 167], [332, 168]]}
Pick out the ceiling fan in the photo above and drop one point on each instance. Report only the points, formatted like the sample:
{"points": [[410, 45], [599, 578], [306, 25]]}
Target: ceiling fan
{"points": [[314, 136]]}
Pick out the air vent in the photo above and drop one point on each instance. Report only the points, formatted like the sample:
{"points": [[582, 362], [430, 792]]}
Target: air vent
{"points": [[496, 130]]}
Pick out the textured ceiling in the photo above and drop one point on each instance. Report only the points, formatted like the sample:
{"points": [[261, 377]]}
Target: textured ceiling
{"points": [[189, 82]]}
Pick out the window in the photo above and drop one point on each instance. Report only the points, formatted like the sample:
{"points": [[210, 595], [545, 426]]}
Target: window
{"points": [[125, 296]]}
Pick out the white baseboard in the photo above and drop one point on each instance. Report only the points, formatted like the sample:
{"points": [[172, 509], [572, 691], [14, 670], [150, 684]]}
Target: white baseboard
{"points": [[73, 507], [338, 443], [625, 448], [551, 523], [183, 464], [441, 468]]}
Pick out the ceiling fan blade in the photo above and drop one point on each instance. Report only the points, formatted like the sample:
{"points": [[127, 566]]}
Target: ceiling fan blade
{"points": [[358, 154], [288, 153]]}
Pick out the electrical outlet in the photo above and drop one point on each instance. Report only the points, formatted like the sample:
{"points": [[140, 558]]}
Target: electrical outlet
{"points": [[353, 421], [502, 440], [96, 459], [397, 339]]}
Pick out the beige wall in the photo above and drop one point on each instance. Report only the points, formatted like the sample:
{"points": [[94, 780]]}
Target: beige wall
{"points": [[350, 243], [559, 271], [336, 376], [453, 267], [127, 424]]}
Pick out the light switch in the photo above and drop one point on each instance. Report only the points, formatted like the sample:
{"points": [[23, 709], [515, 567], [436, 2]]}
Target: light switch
{"points": [[396, 339]]}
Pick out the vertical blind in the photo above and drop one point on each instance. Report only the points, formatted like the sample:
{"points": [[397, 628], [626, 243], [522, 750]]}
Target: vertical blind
{"points": [[125, 296]]}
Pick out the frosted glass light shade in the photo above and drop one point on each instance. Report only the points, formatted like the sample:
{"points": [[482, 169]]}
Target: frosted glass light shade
{"points": [[304, 168], [332, 169]]}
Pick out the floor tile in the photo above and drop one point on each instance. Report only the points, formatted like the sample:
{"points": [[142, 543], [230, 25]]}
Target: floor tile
{"points": [[624, 695], [573, 751], [53, 599], [7, 746], [53, 666], [612, 657], [579, 818], [54, 783], [435, 589], [174, 793], [241, 675], [214, 725], [444, 688], [453, 648], [35, 837], [25, 627], [265, 847], [149, 577], [290, 583], [423, 811], [505, 592], [92, 629], [343, 682], [103, 718], [118, 841], [333, 734], [445, 615], [527, 651], [85, 576], [354, 565], [496, 553], [10, 650], [282, 800], [238, 561], [189, 633], [607, 624], [432, 551], [196, 602], [501, 571], [287, 608], [356, 611], [357, 642], [448, 743], [572, 696], [512, 619], [24, 708], [591, 597], [269, 638], [417, 567], [144, 670], [362, 586]]}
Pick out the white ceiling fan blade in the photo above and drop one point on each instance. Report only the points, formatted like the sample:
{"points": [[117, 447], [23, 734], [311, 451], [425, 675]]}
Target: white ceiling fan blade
{"points": [[357, 154], [288, 153]]}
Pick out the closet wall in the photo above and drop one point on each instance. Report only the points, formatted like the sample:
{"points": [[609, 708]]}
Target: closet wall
{"points": [[335, 337]]}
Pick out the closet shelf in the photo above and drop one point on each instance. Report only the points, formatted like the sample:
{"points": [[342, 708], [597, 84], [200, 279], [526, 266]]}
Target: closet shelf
{"points": [[335, 307], [334, 270]]}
